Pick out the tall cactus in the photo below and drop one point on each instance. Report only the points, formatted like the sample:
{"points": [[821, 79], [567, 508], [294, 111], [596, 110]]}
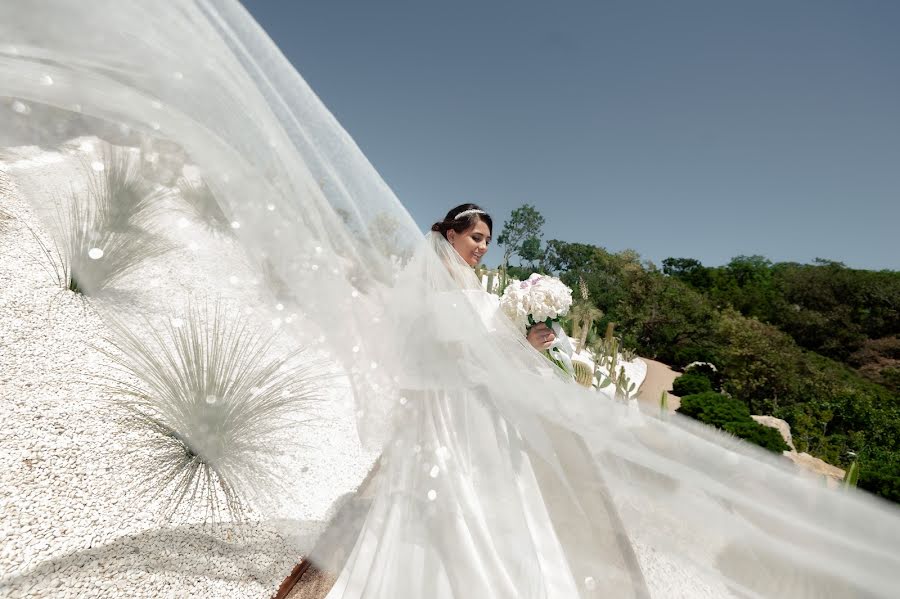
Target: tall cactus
{"points": [[852, 475], [583, 373]]}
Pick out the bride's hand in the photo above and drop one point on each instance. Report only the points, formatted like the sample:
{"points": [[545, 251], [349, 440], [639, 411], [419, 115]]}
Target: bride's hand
{"points": [[541, 337]]}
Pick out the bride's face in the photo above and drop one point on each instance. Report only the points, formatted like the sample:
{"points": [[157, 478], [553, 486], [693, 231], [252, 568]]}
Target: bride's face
{"points": [[472, 243]]}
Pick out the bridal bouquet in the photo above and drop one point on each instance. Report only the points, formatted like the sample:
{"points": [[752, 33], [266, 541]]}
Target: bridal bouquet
{"points": [[543, 299]]}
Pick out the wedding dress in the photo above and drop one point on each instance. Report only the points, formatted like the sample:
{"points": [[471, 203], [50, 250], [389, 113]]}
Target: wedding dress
{"points": [[433, 529], [498, 477]]}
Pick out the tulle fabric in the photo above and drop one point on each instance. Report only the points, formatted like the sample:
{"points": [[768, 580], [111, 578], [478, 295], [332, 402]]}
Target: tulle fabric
{"points": [[499, 477]]}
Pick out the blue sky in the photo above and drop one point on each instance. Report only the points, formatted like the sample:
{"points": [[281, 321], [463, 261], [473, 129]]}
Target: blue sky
{"points": [[702, 129]]}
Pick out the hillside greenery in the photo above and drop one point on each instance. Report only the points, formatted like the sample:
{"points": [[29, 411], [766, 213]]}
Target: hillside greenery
{"points": [[815, 344]]}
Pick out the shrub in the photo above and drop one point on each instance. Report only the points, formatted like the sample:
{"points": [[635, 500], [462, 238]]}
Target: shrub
{"points": [[219, 406], [714, 408], [103, 236], [880, 480], [754, 432], [733, 416], [204, 207], [879, 473], [691, 384], [681, 356]]}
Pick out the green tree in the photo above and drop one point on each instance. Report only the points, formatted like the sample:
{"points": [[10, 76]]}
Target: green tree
{"points": [[762, 364], [531, 251], [524, 224], [570, 259], [689, 270]]}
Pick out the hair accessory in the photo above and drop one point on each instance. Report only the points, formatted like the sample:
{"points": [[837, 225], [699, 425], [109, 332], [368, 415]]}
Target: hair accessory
{"points": [[468, 212]]}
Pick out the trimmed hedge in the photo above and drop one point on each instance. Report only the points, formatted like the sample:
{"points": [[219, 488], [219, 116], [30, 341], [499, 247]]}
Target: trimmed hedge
{"points": [[714, 408], [733, 416], [691, 384], [760, 434]]}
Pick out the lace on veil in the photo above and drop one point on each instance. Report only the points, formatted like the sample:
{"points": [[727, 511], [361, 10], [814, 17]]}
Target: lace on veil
{"points": [[499, 477]]}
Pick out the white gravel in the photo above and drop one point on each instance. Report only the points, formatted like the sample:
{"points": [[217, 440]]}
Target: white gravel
{"points": [[69, 526]]}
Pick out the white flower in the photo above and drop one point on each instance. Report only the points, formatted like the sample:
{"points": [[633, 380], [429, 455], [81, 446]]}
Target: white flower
{"points": [[540, 297]]}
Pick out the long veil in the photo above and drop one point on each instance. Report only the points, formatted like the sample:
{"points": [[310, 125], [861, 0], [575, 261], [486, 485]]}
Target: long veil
{"points": [[493, 475]]}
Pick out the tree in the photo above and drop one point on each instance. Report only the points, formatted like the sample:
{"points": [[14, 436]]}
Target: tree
{"points": [[531, 251], [762, 364], [689, 270], [524, 224], [572, 258]]}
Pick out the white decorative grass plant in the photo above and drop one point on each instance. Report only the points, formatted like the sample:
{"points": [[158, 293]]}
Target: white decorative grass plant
{"points": [[106, 233], [217, 405]]}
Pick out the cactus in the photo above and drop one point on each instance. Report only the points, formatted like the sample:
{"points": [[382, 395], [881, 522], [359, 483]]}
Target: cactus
{"points": [[583, 374], [664, 404], [624, 386], [612, 358], [610, 330], [583, 315], [504, 280], [852, 475]]}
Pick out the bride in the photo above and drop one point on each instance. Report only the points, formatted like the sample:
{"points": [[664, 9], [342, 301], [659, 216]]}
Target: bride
{"points": [[498, 477], [475, 512]]}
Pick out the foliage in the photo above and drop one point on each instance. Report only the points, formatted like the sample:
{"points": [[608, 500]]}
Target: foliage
{"points": [[688, 270], [106, 235], [759, 434], [519, 233], [825, 306], [881, 475], [204, 206], [714, 408], [762, 364], [518, 272], [732, 416], [691, 384], [816, 344], [530, 250], [851, 477], [215, 406]]}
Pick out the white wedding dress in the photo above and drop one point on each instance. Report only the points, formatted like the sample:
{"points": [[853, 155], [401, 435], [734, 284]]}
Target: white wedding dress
{"points": [[434, 529], [499, 478]]}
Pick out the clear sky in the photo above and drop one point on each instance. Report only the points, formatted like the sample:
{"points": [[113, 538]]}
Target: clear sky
{"points": [[703, 129]]}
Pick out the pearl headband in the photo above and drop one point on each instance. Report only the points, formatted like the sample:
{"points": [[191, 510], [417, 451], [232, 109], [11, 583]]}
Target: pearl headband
{"points": [[468, 212]]}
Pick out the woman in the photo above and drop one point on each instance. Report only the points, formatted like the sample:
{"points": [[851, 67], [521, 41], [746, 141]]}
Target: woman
{"points": [[472, 514], [467, 228], [499, 478]]}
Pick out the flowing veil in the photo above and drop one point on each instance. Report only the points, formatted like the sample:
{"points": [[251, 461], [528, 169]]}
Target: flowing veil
{"points": [[495, 475]]}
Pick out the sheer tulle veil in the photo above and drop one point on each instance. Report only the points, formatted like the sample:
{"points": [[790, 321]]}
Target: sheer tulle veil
{"points": [[497, 477]]}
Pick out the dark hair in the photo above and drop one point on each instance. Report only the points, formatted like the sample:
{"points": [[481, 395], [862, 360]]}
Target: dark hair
{"points": [[466, 222]]}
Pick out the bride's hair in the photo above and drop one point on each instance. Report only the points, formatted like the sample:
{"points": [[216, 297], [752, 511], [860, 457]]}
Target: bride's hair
{"points": [[459, 222]]}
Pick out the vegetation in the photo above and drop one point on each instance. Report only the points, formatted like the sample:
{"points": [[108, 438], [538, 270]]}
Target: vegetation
{"points": [[732, 416], [216, 406], [204, 207], [815, 344], [521, 235], [105, 234], [691, 384]]}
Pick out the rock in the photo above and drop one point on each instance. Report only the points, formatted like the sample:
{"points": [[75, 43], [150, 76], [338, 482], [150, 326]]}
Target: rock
{"points": [[777, 423]]}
